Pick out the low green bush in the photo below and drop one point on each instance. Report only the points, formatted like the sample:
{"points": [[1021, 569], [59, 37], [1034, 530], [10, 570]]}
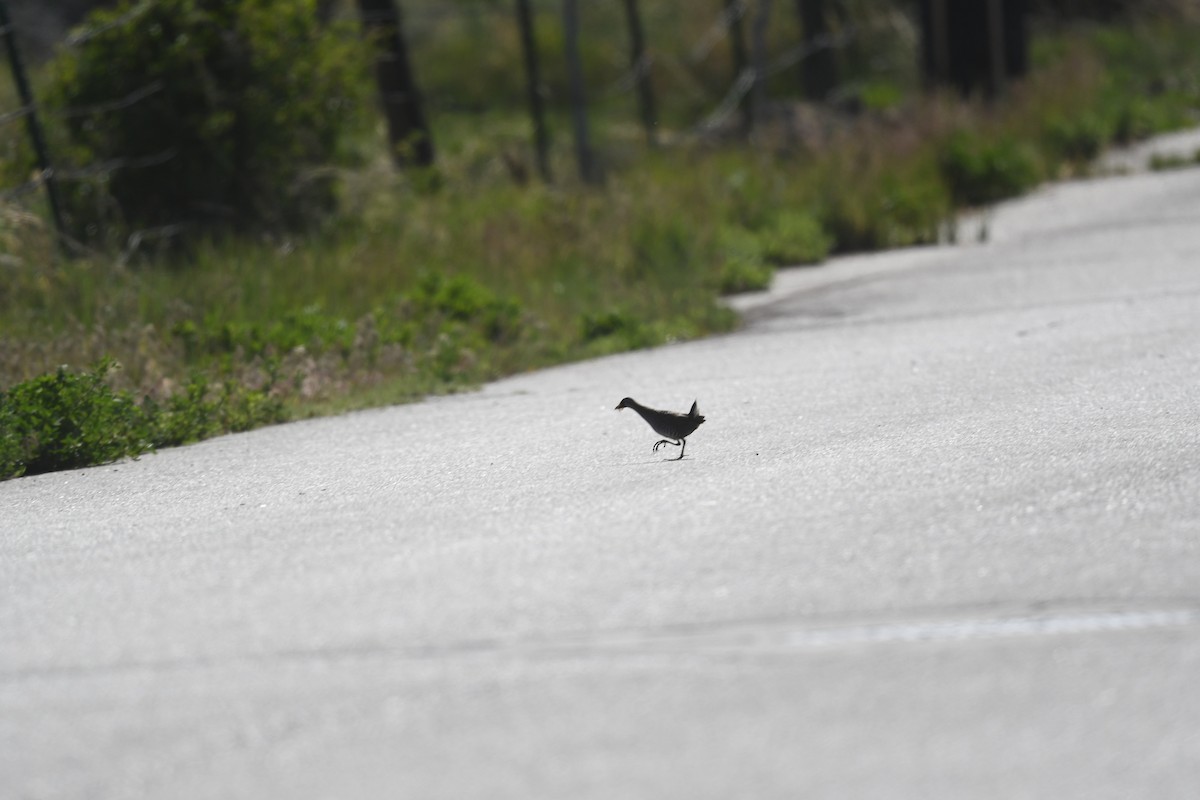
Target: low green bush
{"points": [[67, 420], [744, 266], [893, 209], [611, 323], [203, 409], [1076, 140], [463, 300], [1161, 162], [794, 237], [978, 171]]}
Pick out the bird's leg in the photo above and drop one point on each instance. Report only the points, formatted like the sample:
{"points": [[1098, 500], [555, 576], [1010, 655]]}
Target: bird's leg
{"points": [[661, 442], [682, 447]]}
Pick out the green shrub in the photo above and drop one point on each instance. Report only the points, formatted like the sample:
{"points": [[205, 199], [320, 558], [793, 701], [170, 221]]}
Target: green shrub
{"points": [[978, 172], [794, 237], [67, 420], [909, 208], [460, 299], [611, 322], [1160, 162], [1076, 140], [743, 266], [894, 209], [661, 244], [1137, 119], [202, 410], [309, 327], [236, 105]]}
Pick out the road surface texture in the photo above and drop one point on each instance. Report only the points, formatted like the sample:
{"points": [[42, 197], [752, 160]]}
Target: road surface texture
{"points": [[939, 538]]}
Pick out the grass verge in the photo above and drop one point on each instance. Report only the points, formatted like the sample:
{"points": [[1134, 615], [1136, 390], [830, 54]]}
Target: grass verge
{"points": [[433, 284]]}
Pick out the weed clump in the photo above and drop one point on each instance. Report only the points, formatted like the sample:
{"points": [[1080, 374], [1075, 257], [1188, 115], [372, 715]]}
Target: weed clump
{"points": [[1077, 140], [744, 266], [794, 237], [612, 330], [65, 420], [978, 171]]}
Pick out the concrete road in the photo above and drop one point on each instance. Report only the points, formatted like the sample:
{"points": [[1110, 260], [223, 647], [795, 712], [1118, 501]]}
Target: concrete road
{"points": [[939, 538]]}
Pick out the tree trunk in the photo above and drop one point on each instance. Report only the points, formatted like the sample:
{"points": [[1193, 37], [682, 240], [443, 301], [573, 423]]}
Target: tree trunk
{"points": [[32, 124], [408, 132], [541, 138], [977, 46], [819, 69], [579, 124], [640, 64], [734, 11], [325, 11], [758, 93]]}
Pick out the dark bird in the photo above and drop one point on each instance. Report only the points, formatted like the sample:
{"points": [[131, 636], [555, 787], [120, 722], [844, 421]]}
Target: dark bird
{"points": [[670, 424]]}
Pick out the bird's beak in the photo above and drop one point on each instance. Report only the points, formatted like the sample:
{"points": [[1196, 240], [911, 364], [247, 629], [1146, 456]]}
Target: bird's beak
{"points": [[618, 408]]}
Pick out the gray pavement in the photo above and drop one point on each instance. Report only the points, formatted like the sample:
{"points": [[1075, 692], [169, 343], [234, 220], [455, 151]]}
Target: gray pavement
{"points": [[939, 538]]}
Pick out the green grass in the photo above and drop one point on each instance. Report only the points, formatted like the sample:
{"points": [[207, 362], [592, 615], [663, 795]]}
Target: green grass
{"points": [[436, 283], [1160, 162]]}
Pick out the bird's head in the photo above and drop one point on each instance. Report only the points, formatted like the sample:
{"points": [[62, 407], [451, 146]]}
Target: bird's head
{"points": [[626, 403]]}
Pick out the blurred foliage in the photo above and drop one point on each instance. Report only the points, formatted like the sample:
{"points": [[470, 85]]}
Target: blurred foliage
{"points": [[205, 115], [795, 237], [743, 267], [979, 171]]}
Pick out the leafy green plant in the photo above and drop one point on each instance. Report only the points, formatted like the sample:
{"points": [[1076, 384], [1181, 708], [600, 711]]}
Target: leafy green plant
{"points": [[202, 410], [979, 171], [461, 299], [611, 323], [1137, 118], [1160, 162], [794, 237], [744, 267], [891, 209], [66, 420], [1077, 140], [309, 327]]}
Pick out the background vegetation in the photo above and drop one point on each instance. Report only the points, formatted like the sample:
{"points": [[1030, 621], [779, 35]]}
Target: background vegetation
{"points": [[408, 283]]}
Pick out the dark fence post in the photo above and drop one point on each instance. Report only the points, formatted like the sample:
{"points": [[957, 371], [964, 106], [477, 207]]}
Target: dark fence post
{"points": [[541, 139], [640, 62], [583, 150], [32, 124], [408, 131]]}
